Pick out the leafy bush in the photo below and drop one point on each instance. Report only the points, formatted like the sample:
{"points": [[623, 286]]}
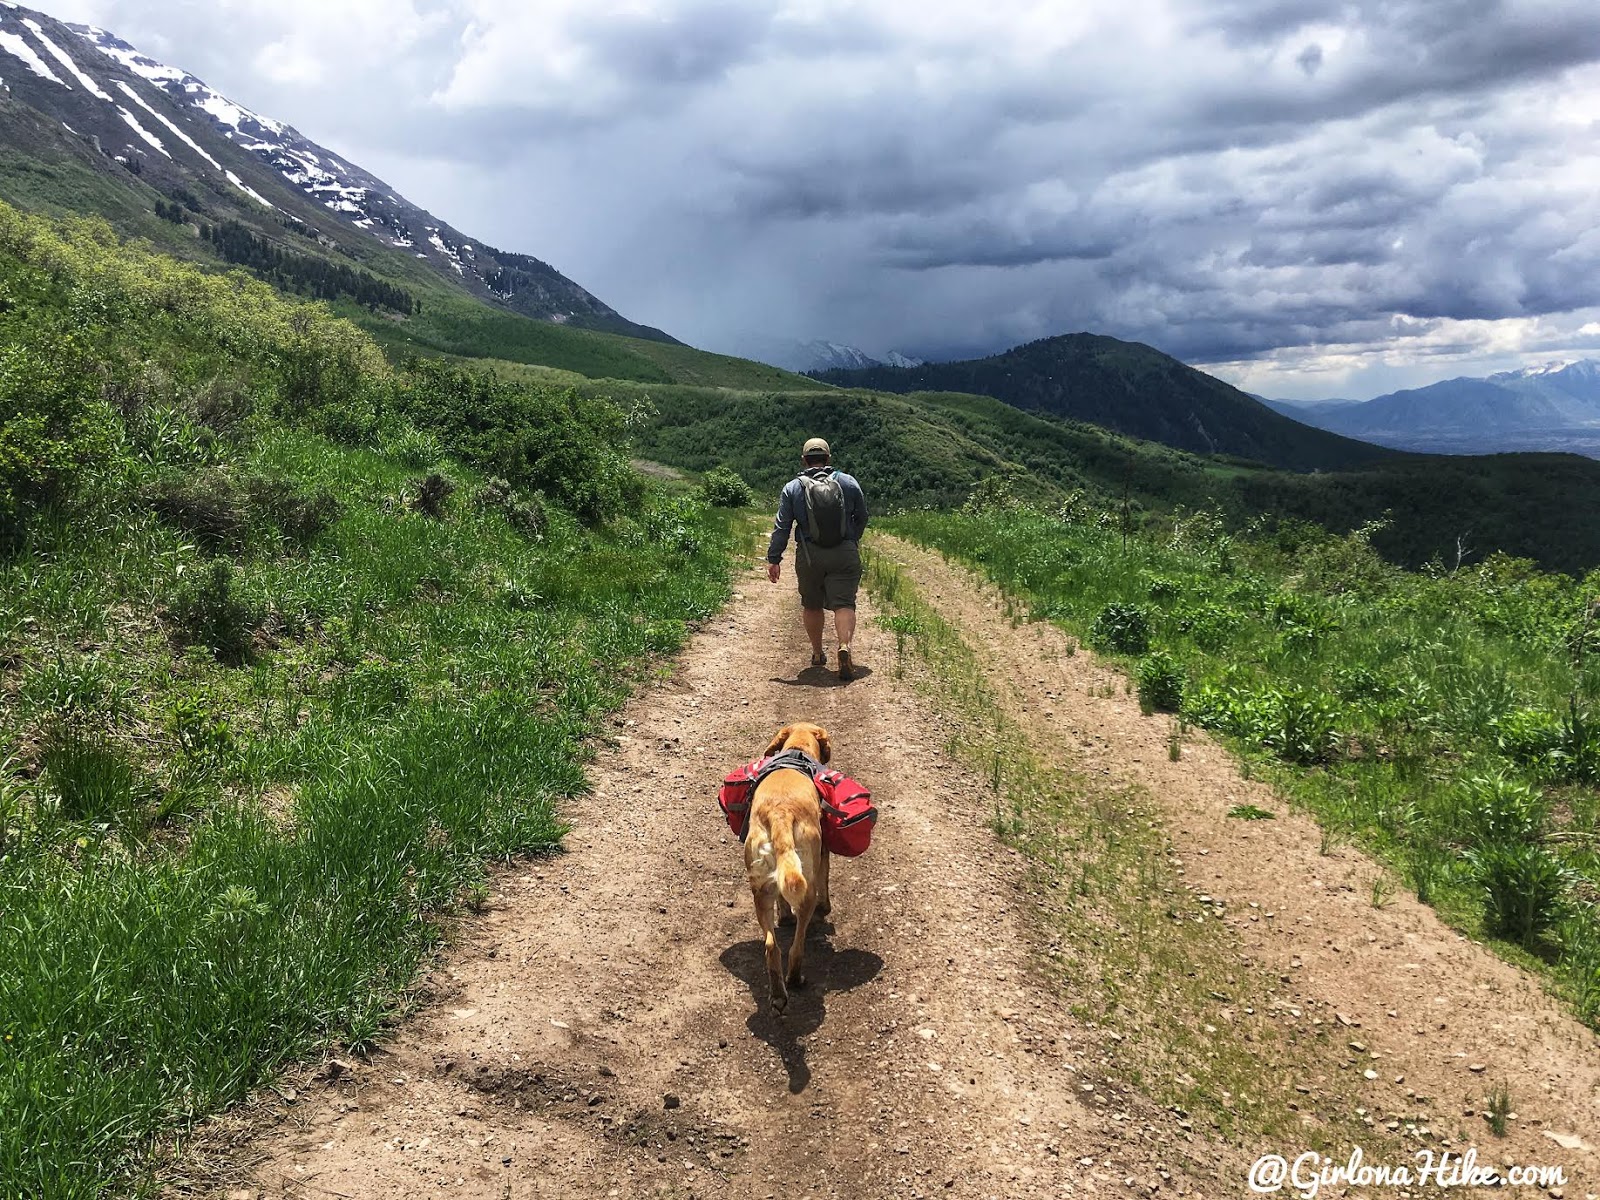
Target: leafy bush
{"points": [[1527, 736], [52, 423], [526, 515], [1306, 730], [1300, 727], [1162, 587], [213, 611], [537, 437], [1160, 682], [1123, 628], [1209, 626], [1524, 889], [1575, 757], [675, 525], [298, 516], [723, 487], [1496, 808]]}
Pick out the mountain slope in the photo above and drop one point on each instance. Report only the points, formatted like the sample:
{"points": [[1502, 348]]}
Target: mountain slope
{"points": [[1554, 407], [76, 102], [1130, 388]]}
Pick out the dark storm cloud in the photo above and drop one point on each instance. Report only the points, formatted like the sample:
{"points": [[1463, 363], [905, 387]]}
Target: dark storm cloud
{"points": [[1226, 179], [695, 46]]}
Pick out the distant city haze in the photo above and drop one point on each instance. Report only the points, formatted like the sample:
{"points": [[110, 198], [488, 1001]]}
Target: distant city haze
{"points": [[1307, 200]]}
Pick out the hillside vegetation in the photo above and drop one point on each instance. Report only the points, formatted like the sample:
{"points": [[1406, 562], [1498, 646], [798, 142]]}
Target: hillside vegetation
{"points": [[932, 450], [291, 642], [1133, 389], [1449, 721], [402, 303]]}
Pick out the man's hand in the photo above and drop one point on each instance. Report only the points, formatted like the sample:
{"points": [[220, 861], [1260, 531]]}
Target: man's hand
{"points": [[774, 570]]}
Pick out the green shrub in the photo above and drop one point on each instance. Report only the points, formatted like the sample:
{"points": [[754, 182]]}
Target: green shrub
{"points": [[1209, 626], [1162, 588], [1575, 757], [675, 525], [212, 611], [1527, 736], [53, 424], [1496, 808], [1306, 730], [221, 514], [1524, 889], [1161, 682], [1122, 628], [723, 487], [525, 514], [541, 438], [415, 448]]}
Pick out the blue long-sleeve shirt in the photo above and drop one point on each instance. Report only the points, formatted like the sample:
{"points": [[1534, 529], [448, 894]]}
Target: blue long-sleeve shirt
{"points": [[792, 514]]}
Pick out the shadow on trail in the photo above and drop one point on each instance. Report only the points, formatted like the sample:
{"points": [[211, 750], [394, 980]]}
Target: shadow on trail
{"points": [[821, 677], [827, 970]]}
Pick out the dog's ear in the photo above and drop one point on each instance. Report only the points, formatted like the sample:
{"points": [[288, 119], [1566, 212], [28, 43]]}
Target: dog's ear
{"points": [[824, 746], [778, 739]]}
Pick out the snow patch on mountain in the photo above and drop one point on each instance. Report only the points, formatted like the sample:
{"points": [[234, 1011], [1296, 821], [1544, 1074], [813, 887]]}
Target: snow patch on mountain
{"points": [[248, 190], [113, 47], [133, 122], [444, 248], [176, 132], [13, 43], [60, 55]]}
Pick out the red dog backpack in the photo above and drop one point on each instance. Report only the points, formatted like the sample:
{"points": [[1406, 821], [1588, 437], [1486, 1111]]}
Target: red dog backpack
{"points": [[848, 816]]}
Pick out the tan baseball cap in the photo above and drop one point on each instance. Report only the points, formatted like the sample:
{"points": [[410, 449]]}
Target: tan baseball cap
{"points": [[816, 446]]}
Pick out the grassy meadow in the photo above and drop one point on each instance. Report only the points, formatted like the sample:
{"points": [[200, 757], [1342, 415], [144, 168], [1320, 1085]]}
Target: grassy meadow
{"points": [[1445, 720], [292, 644]]}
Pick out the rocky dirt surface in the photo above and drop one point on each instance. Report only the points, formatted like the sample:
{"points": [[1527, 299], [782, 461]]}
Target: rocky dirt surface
{"points": [[602, 1029]]}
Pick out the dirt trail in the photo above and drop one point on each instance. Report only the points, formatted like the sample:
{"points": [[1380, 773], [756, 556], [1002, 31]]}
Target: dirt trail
{"points": [[602, 1030]]}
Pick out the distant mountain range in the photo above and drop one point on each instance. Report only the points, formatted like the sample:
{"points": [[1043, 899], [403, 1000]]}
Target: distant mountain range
{"points": [[805, 357], [90, 122], [1553, 407], [1133, 389]]}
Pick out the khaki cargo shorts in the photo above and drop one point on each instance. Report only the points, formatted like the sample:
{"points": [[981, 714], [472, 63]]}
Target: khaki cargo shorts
{"points": [[828, 576]]}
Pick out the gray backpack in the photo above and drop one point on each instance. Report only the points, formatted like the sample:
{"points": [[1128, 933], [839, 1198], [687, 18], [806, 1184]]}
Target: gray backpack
{"points": [[825, 523]]}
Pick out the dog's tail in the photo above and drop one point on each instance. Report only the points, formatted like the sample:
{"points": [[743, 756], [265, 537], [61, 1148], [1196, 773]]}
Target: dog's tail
{"points": [[791, 879]]}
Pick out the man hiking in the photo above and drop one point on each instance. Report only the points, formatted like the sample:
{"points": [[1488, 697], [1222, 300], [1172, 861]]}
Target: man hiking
{"points": [[828, 513]]}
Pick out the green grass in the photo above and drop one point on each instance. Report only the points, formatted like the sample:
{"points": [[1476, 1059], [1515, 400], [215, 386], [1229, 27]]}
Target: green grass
{"points": [[1445, 722], [210, 869], [292, 642]]}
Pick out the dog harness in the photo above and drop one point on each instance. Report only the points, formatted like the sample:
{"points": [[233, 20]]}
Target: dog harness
{"points": [[848, 816]]}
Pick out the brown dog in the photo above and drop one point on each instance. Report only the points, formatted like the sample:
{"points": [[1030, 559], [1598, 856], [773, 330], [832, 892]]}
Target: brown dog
{"points": [[784, 855]]}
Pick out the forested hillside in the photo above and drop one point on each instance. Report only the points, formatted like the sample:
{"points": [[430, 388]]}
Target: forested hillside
{"points": [[933, 450]]}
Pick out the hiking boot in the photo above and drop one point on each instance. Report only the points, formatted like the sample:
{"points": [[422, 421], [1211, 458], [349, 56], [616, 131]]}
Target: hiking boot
{"points": [[819, 659], [846, 667]]}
